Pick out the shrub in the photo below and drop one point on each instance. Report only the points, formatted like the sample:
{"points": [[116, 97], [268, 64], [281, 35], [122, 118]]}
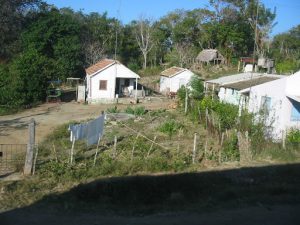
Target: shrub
{"points": [[181, 94], [170, 127], [138, 111], [293, 136], [129, 110], [113, 110], [230, 150], [226, 113], [197, 88]]}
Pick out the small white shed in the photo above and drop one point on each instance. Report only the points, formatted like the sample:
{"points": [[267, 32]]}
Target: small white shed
{"points": [[109, 79], [173, 78]]}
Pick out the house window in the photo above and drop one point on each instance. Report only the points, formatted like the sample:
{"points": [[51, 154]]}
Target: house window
{"points": [[295, 115], [265, 105], [103, 85]]}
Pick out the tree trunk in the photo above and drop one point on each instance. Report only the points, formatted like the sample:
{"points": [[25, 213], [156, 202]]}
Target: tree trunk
{"points": [[145, 60]]}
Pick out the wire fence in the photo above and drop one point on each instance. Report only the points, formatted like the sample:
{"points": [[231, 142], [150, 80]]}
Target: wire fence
{"points": [[12, 157]]}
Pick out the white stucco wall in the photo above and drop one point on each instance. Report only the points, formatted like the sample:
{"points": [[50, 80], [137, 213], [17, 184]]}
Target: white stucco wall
{"points": [[281, 105], [110, 74], [277, 117], [229, 95], [175, 82], [293, 84]]}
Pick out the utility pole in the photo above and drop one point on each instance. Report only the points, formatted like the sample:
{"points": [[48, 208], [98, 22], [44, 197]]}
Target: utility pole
{"points": [[254, 48]]}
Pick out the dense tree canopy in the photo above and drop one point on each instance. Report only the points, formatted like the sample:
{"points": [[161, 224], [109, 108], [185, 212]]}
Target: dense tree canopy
{"points": [[39, 42]]}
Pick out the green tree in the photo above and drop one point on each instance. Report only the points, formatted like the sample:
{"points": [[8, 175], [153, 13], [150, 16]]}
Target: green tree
{"points": [[13, 19], [56, 37], [286, 50]]}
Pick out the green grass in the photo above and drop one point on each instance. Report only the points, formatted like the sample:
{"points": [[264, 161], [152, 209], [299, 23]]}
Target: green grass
{"points": [[54, 175]]}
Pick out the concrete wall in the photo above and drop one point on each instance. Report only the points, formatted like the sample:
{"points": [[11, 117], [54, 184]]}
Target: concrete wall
{"points": [[109, 74], [279, 108], [229, 95]]}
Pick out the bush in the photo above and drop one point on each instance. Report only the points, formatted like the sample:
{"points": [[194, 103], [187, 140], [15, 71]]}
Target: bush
{"points": [[287, 66], [113, 110], [230, 150], [129, 110], [137, 111], [293, 136], [170, 127], [181, 94], [197, 88], [226, 113]]}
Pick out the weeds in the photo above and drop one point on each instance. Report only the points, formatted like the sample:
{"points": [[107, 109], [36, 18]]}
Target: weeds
{"points": [[113, 110], [170, 127], [137, 111]]}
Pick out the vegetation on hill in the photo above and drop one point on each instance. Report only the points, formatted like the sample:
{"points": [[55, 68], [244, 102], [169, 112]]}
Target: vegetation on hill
{"points": [[156, 142], [47, 43]]}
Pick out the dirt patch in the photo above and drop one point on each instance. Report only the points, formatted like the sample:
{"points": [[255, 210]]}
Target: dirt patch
{"points": [[13, 128]]}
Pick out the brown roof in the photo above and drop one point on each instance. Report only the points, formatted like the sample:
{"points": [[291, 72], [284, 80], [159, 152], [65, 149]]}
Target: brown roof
{"points": [[99, 66], [170, 72], [249, 83], [208, 55]]}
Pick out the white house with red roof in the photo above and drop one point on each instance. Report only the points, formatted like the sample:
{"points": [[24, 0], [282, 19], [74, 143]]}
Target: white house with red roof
{"points": [[173, 78], [109, 79]]}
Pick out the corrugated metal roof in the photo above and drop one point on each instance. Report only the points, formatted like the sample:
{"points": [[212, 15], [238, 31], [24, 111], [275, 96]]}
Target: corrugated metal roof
{"points": [[250, 83], [239, 77]]}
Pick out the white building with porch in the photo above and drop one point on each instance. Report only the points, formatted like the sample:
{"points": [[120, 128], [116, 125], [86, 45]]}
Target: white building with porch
{"points": [[109, 79]]}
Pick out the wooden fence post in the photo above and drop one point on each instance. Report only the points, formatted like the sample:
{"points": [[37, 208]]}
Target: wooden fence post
{"points": [[115, 147], [186, 101], [133, 147], [206, 118], [194, 149], [30, 148], [284, 139]]}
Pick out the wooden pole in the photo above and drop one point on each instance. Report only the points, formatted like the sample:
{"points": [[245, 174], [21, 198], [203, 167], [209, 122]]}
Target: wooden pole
{"points": [[150, 149], [97, 149], [205, 149], [54, 151], [72, 151], [30, 147], [136, 85], [206, 118], [221, 147], [194, 149], [283, 139], [186, 100], [115, 147], [35, 158], [133, 147]]}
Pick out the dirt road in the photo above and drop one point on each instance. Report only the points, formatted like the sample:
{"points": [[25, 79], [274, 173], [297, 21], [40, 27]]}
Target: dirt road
{"points": [[275, 215], [13, 128]]}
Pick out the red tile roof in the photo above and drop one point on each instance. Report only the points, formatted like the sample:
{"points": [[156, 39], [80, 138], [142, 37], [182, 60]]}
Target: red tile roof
{"points": [[170, 72], [99, 66]]}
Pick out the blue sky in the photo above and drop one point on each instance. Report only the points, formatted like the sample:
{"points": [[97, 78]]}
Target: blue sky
{"points": [[288, 11]]}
